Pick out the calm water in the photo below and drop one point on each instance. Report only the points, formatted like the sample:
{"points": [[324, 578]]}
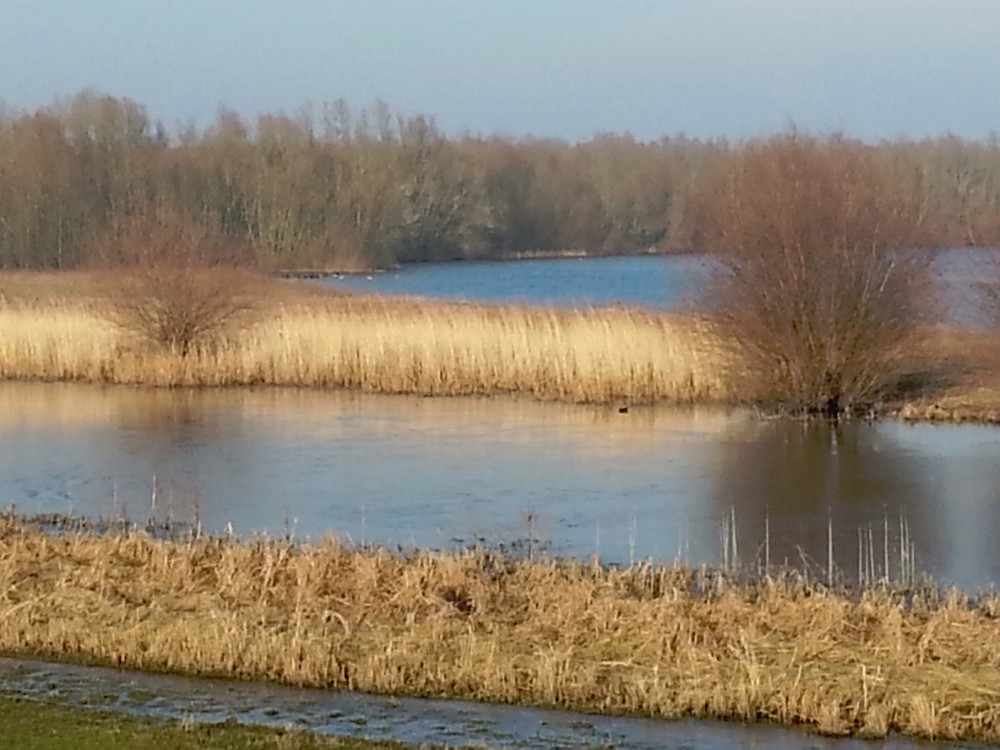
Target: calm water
{"points": [[653, 281], [447, 472], [667, 282]]}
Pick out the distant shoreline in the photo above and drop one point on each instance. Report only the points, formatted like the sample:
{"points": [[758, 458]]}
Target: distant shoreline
{"points": [[322, 273]]}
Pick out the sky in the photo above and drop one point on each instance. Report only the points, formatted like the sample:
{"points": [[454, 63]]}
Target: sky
{"points": [[569, 69]]}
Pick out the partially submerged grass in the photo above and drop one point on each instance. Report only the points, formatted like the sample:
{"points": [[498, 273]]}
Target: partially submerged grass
{"points": [[34, 725], [389, 346], [660, 641]]}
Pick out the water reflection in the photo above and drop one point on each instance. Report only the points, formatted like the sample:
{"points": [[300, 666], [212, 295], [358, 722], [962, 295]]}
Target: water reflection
{"points": [[443, 472], [808, 478]]}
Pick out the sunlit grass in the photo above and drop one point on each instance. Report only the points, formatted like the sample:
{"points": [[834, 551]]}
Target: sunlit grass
{"points": [[56, 342], [660, 641], [59, 327], [390, 346]]}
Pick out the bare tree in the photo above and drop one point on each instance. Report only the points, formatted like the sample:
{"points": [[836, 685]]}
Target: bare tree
{"points": [[177, 285], [821, 290]]}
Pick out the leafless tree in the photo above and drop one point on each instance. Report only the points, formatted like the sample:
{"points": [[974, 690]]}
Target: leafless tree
{"points": [[822, 289], [175, 284]]}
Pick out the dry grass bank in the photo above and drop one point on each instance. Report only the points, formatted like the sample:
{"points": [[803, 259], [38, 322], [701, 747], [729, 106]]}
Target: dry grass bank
{"points": [[955, 377], [393, 346], [638, 641]]}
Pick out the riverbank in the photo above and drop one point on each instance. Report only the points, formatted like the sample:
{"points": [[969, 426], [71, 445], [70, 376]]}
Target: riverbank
{"points": [[954, 377], [658, 641], [37, 725]]}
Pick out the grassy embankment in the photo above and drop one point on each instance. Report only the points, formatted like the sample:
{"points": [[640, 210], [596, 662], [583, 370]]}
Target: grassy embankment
{"points": [[655, 641], [298, 337], [31, 725]]}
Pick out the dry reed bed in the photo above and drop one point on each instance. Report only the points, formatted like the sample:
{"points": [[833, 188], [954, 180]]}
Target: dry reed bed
{"points": [[981, 406], [393, 346], [636, 641]]}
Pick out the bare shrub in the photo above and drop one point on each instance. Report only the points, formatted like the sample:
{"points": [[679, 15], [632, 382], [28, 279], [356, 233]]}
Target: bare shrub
{"points": [[821, 292], [175, 283]]}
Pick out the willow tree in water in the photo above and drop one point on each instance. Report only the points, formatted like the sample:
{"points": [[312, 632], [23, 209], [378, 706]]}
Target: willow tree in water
{"points": [[822, 290]]}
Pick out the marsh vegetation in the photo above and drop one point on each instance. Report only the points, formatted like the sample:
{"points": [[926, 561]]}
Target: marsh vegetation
{"points": [[819, 307], [390, 346], [69, 326], [654, 640]]}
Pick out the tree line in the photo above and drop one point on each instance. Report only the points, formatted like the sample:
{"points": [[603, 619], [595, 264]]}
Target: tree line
{"points": [[330, 187]]}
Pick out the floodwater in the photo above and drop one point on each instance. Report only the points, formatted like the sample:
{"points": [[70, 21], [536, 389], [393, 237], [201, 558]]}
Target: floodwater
{"points": [[410, 720], [549, 478]]}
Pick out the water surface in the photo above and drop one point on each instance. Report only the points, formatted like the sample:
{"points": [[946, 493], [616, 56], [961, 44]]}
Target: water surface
{"points": [[565, 479], [671, 281], [410, 720]]}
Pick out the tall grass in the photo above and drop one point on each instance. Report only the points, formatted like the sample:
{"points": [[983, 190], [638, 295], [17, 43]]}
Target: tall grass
{"points": [[394, 346], [56, 341], [661, 641]]}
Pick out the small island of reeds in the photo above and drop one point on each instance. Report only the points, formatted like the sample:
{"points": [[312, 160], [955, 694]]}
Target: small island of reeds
{"points": [[302, 337]]}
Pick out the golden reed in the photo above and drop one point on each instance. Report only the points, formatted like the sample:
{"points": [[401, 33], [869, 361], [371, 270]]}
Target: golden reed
{"points": [[388, 346], [659, 641]]}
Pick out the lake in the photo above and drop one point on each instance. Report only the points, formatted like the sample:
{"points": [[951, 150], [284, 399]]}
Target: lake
{"points": [[652, 281], [669, 282]]}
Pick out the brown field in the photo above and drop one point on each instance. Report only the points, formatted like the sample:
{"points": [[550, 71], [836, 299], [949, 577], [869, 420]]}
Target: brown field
{"points": [[659, 641]]}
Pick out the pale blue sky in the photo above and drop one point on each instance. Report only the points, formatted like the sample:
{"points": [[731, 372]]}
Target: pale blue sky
{"points": [[561, 68]]}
